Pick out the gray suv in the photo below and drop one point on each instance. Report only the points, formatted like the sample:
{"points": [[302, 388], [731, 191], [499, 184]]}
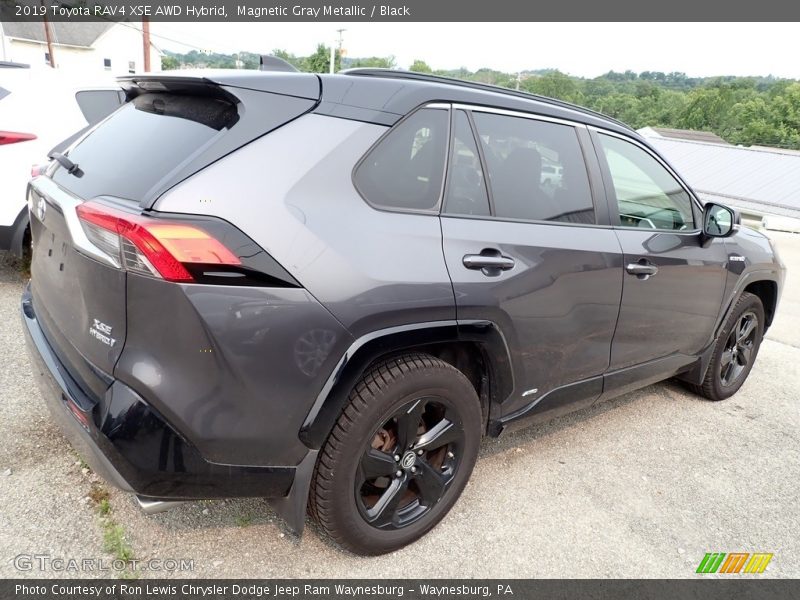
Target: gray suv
{"points": [[324, 290]]}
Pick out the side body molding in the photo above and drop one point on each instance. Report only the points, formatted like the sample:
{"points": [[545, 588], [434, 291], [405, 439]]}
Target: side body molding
{"points": [[332, 399]]}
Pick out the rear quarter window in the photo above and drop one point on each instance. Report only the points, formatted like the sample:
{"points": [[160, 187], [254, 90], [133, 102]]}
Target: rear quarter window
{"points": [[404, 170], [3, 92]]}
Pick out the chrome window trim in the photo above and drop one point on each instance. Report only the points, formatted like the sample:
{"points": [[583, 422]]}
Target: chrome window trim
{"points": [[516, 113]]}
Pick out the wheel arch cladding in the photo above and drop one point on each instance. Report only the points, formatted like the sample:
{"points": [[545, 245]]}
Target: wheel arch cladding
{"points": [[478, 351], [767, 292]]}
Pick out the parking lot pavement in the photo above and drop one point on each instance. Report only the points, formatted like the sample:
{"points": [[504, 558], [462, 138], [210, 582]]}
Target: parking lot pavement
{"points": [[642, 486]]}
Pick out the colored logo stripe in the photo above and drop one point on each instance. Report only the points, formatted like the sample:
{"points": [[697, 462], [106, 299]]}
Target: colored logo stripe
{"points": [[713, 562], [734, 562], [758, 562]]}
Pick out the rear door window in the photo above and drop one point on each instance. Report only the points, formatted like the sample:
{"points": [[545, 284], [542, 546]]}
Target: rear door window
{"points": [[139, 145], [404, 170], [536, 169]]}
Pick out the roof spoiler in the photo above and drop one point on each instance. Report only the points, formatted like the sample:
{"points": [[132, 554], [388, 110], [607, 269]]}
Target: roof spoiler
{"points": [[134, 85], [273, 63]]}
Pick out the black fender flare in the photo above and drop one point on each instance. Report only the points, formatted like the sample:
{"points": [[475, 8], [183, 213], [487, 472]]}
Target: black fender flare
{"points": [[332, 399], [697, 373]]}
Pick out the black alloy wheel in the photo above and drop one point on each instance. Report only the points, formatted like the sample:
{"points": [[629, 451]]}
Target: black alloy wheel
{"points": [[409, 464], [735, 349], [399, 456], [738, 352]]}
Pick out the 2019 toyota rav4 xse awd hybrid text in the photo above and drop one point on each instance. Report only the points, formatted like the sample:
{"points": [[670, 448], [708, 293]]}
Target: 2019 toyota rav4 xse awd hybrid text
{"points": [[324, 290]]}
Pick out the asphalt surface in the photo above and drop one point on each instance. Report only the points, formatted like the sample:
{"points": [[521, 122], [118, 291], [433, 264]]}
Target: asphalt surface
{"points": [[642, 486]]}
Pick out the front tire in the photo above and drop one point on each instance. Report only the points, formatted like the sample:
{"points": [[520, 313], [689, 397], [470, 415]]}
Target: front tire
{"points": [[735, 349], [399, 456]]}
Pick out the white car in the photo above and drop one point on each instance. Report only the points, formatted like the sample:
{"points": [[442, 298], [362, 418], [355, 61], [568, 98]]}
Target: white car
{"points": [[38, 109]]}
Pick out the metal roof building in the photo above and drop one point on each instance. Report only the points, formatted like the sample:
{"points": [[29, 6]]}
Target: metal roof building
{"points": [[765, 180]]}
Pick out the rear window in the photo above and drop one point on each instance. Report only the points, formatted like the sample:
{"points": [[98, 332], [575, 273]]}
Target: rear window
{"points": [[143, 142]]}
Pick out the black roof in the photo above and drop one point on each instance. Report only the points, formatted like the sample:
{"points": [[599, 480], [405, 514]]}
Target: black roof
{"points": [[474, 85], [384, 96]]}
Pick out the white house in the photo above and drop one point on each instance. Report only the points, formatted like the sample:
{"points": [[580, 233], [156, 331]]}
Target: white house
{"points": [[90, 48]]}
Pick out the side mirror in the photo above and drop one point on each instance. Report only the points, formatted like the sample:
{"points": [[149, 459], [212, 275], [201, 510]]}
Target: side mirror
{"points": [[718, 220]]}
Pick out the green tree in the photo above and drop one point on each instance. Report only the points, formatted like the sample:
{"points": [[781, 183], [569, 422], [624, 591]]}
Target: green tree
{"points": [[320, 61], [420, 66], [554, 85], [374, 62], [170, 62]]}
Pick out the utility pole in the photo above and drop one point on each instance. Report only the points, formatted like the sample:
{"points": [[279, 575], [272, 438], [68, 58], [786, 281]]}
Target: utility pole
{"points": [[333, 49], [146, 43], [48, 37]]}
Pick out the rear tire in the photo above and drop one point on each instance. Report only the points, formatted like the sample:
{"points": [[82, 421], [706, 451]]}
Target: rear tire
{"points": [[399, 456], [735, 349]]}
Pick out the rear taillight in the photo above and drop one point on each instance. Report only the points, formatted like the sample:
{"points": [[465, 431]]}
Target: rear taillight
{"points": [[152, 246], [12, 137]]}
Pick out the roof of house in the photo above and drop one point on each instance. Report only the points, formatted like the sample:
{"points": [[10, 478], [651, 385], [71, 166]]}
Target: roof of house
{"points": [[72, 34], [682, 134], [769, 177]]}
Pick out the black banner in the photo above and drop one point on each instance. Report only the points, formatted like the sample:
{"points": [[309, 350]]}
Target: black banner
{"points": [[399, 10], [379, 589]]}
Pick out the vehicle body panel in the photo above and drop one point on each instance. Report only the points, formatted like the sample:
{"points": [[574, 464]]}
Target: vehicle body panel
{"points": [[236, 369], [674, 310], [557, 307], [372, 269]]}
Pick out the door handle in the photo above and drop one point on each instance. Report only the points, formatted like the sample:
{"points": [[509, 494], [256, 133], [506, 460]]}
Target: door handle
{"points": [[643, 269], [490, 262]]}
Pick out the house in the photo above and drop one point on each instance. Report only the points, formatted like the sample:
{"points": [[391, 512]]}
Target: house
{"points": [[92, 48]]}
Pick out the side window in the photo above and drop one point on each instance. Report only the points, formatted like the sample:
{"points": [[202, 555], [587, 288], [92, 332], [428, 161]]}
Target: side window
{"points": [[536, 169], [404, 171], [466, 189], [648, 196]]}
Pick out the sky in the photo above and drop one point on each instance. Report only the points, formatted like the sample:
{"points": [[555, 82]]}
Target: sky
{"points": [[582, 49]]}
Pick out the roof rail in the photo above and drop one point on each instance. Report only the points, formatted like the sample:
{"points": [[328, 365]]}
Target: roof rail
{"points": [[486, 87]]}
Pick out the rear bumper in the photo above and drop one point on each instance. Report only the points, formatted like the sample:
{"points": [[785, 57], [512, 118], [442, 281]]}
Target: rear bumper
{"points": [[133, 447]]}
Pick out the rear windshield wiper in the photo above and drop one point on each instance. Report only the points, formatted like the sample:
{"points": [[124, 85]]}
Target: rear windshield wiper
{"points": [[65, 162]]}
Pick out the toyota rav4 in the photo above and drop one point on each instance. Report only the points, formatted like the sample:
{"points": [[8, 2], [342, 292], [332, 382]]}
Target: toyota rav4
{"points": [[325, 289]]}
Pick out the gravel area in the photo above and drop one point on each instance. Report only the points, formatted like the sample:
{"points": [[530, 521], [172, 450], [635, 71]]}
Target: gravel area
{"points": [[642, 486]]}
